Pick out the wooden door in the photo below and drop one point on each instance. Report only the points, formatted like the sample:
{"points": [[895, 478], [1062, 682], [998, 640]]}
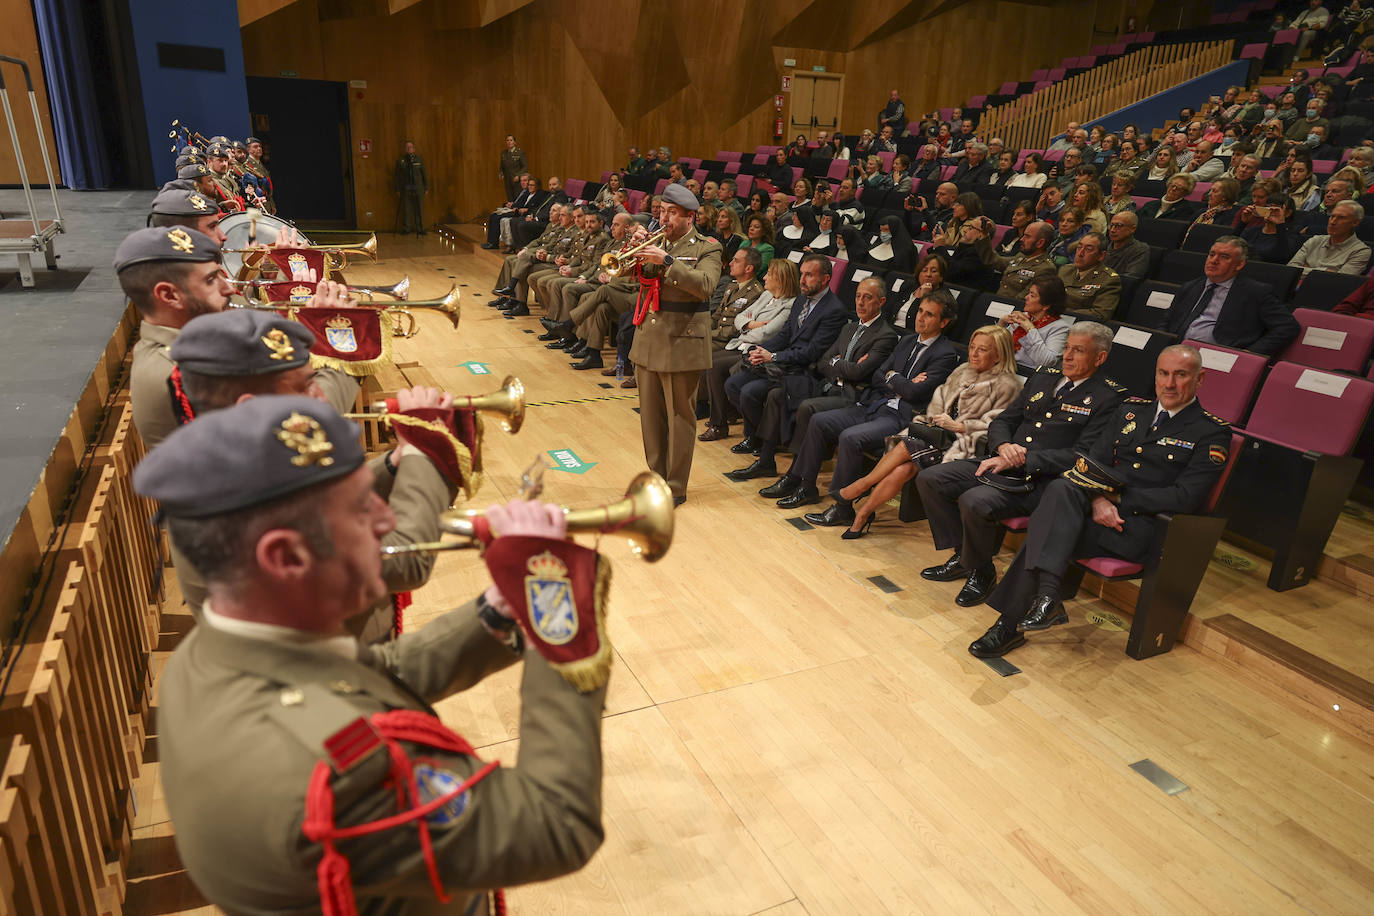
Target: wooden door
{"points": [[816, 99]]}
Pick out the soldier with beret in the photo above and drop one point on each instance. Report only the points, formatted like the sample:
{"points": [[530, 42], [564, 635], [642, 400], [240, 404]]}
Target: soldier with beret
{"points": [[194, 176], [1160, 456], [225, 358], [192, 209], [1060, 411], [278, 731], [228, 194], [412, 184], [672, 343]]}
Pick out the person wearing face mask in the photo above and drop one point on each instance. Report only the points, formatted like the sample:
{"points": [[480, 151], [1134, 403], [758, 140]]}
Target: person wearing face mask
{"points": [[1270, 142], [893, 249], [823, 238], [1300, 128]]}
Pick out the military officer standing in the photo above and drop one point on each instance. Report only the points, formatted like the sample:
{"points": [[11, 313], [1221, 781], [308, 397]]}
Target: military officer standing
{"points": [[412, 184], [228, 194], [673, 342], [513, 165], [254, 164], [1033, 261], [1156, 456], [1091, 286], [279, 732]]}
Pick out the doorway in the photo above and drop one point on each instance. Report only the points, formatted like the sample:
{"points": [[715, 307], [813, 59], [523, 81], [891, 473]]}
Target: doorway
{"points": [[816, 99], [304, 129]]}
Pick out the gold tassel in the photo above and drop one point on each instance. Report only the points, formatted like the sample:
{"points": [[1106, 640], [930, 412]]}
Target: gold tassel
{"points": [[472, 480], [590, 673]]}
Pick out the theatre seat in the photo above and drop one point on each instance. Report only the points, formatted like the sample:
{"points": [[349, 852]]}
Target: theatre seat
{"points": [[1322, 289], [1150, 303], [573, 188], [1295, 471], [1341, 343], [1230, 381]]}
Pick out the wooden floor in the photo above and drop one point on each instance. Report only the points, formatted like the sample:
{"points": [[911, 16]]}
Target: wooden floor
{"points": [[782, 736]]}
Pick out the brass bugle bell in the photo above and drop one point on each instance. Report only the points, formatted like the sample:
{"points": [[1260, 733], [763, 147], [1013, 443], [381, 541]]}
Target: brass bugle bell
{"points": [[644, 516], [616, 263], [367, 249], [448, 305], [507, 402], [398, 290]]}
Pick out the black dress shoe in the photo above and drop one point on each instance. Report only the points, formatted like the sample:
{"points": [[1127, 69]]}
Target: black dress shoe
{"points": [[996, 642], [489, 246], [520, 310], [573, 343], [785, 485], [837, 514], [1045, 612], [679, 500], [591, 361], [497, 303], [760, 468], [504, 290], [580, 352], [978, 587], [559, 343], [948, 571], [748, 445], [549, 335]]}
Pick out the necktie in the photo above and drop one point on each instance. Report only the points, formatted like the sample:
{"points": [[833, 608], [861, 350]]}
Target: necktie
{"points": [[1203, 301], [806, 310], [915, 355], [853, 343], [1160, 417]]}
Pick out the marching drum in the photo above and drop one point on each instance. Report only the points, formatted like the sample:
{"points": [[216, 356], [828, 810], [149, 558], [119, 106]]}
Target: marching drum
{"points": [[235, 227]]}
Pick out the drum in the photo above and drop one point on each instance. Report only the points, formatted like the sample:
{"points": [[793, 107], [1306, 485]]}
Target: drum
{"points": [[235, 227]]}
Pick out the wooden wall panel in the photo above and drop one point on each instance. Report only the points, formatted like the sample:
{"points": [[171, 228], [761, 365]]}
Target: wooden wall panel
{"points": [[579, 81], [21, 41]]}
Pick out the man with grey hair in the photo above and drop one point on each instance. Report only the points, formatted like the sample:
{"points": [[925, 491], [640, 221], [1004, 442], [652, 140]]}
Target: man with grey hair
{"points": [[1126, 254], [1160, 455], [1065, 173], [1314, 222], [975, 168], [1061, 411], [1340, 250], [1230, 310], [1204, 166], [1065, 141], [1244, 169]]}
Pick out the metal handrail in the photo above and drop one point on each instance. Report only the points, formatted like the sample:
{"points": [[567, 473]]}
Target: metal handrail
{"points": [[42, 145]]}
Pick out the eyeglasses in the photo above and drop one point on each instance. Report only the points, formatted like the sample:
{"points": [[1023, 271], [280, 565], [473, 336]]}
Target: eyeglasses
{"points": [[1118, 225]]}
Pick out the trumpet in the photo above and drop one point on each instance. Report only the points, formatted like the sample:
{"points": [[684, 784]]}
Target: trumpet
{"points": [[616, 263], [338, 254], [644, 516], [398, 290], [448, 304], [507, 402]]}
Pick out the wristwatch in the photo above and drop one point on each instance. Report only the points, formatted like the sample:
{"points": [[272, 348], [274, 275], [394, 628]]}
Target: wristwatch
{"points": [[505, 630], [667, 261]]}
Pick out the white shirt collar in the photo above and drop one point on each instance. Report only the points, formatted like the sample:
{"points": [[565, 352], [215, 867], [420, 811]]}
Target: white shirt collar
{"points": [[345, 646], [1171, 413]]}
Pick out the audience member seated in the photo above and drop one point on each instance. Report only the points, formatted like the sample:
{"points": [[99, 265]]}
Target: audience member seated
{"points": [[1232, 311], [1004, 171], [1070, 230], [892, 249], [798, 147], [1245, 170], [927, 167], [967, 206], [749, 314], [847, 207], [1165, 459], [850, 245], [928, 222], [1126, 254], [1090, 285], [1164, 165], [1032, 261], [1340, 250], [886, 141], [1120, 200], [957, 419], [823, 238], [1301, 129], [1299, 183], [900, 387], [797, 227], [758, 234], [729, 232], [1313, 222], [1360, 303], [1058, 413], [778, 172], [782, 368], [930, 276], [1087, 197], [1066, 141], [975, 168], [1128, 163], [1032, 174], [498, 224], [971, 258], [1222, 209], [874, 178], [729, 196], [1205, 166], [758, 203], [1174, 205], [1268, 231], [900, 177], [1051, 204], [1022, 215], [1038, 328], [1065, 172]]}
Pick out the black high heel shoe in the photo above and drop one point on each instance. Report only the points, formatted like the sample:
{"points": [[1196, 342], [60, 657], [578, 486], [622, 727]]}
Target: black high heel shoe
{"points": [[850, 535]]}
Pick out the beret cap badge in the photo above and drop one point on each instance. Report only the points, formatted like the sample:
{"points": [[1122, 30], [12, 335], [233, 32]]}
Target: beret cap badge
{"points": [[181, 241], [306, 437], [280, 345]]}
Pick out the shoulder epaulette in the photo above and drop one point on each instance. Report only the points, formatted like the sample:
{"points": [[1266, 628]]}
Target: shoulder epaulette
{"points": [[1218, 420], [328, 725], [1049, 370]]}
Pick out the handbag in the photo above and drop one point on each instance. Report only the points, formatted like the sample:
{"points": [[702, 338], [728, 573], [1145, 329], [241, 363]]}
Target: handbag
{"points": [[937, 441]]}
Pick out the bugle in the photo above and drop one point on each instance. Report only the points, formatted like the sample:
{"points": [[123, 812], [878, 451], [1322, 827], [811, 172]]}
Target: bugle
{"points": [[616, 263], [507, 402], [644, 516]]}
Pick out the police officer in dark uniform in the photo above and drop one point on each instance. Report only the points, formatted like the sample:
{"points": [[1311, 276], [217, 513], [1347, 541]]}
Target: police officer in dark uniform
{"points": [[412, 184], [1058, 413], [1156, 456]]}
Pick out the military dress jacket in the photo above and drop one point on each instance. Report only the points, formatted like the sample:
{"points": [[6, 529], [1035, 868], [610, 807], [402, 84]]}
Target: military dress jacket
{"points": [[738, 297], [1018, 272], [1166, 468], [1096, 290], [513, 162], [1053, 429], [148, 382], [677, 338], [244, 721]]}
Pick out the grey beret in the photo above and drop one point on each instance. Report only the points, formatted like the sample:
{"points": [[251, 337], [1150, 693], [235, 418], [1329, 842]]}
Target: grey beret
{"points": [[193, 170], [183, 203], [192, 151], [262, 449], [218, 149], [177, 184], [677, 194], [242, 342], [250, 141], [183, 161], [236, 144], [163, 244]]}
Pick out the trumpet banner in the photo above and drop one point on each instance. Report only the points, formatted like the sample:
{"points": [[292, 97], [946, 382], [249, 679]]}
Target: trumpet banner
{"points": [[451, 437], [291, 260], [352, 340]]}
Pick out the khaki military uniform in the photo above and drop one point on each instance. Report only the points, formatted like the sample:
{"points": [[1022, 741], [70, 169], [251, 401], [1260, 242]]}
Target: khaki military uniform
{"points": [[245, 719], [563, 244], [1018, 272], [670, 349], [1096, 290], [597, 314], [513, 165], [738, 297], [544, 282], [149, 378], [521, 260], [586, 264], [227, 191]]}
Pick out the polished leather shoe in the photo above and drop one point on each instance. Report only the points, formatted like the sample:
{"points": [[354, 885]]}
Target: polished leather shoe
{"points": [[611, 371], [591, 361], [629, 383], [1045, 612], [498, 302], [748, 445], [760, 468], [560, 342], [549, 335], [573, 343], [837, 513], [549, 324], [679, 500], [713, 433], [785, 485], [580, 351], [977, 588], [504, 291], [996, 642], [520, 310], [948, 571]]}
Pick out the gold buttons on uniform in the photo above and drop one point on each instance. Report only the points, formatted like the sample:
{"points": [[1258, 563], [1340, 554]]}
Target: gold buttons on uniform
{"points": [[1028, 438], [343, 687], [1138, 450], [292, 696], [1136, 465], [1038, 424]]}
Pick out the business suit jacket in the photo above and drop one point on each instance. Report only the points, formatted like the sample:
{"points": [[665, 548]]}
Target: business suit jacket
{"points": [[1251, 319], [1184, 211], [1053, 430], [849, 377], [937, 360], [796, 347]]}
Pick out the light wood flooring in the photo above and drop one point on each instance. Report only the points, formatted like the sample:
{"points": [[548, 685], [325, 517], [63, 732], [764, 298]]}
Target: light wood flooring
{"points": [[784, 737]]}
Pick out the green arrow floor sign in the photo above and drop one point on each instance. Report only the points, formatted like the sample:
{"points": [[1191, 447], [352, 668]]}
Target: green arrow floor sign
{"points": [[476, 368], [565, 459]]}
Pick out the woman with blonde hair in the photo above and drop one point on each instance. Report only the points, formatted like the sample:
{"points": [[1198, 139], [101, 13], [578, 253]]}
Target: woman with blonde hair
{"points": [[1087, 196], [729, 231], [1165, 165], [959, 414]]}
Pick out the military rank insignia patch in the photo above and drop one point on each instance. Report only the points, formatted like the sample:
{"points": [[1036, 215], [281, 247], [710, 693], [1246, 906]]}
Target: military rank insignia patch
{"points": [[1217, 454], [553, 613], [433, 783], [305, 436], [280, 345], [181, 241], [1037, 396], [1128, 428]]}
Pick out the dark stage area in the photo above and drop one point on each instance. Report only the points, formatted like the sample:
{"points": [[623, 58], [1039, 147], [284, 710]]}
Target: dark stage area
{"points": [[54, 334]]}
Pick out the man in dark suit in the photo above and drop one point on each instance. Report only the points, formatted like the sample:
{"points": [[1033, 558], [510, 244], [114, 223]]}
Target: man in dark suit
{"points": [[784, 361], [975, 167], [847, 367], [535, 221], [1059, 412], [508, 212], [1232, 311], [1158, 456], [900, 386]]}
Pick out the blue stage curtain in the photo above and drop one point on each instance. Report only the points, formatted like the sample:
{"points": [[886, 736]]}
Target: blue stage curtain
{"points": [[82, 151]]}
